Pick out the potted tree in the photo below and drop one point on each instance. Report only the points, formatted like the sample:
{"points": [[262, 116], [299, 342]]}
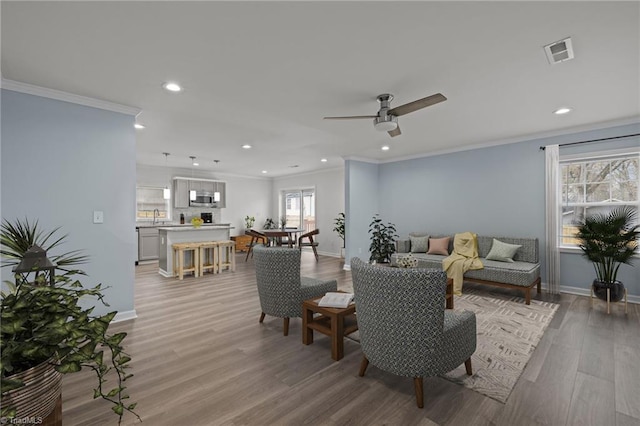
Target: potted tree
{"points": [[45, 332], [339, 229], [608, 241], [382, 240]]}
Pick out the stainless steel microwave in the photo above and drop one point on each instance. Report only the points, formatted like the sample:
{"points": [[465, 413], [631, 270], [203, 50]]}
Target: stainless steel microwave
{"points": [[203, 199]]}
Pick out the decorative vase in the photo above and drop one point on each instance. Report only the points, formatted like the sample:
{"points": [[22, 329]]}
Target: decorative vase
{"points": [[37, 398], [616, 290]]}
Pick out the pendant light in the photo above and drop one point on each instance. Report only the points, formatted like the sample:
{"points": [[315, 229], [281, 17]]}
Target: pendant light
{"points": [[166, 192], [192, 192]]}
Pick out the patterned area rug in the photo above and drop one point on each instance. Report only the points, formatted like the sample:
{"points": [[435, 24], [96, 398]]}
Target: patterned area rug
{"points": [[508, 332]]}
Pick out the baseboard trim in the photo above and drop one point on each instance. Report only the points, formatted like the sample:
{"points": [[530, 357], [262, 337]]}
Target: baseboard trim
{"points": [[347, 267], [124, 316]]}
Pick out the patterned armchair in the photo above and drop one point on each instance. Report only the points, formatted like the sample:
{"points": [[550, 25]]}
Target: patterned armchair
{"points": [[404, 328], [280, 286]]}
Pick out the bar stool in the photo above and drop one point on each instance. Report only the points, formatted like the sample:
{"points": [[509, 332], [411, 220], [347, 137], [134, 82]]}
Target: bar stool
{"points": [[179, 252], [226, 255], [209, 255]]}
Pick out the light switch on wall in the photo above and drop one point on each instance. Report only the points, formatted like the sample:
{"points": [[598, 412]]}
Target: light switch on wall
{"points": [[98, 216]]}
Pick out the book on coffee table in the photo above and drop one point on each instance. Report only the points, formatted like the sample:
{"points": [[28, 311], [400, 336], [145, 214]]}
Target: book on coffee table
{"points": [[336, 300]]}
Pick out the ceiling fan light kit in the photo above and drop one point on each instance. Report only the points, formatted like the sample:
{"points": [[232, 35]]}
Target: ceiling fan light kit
{"points": [[387, 118], [386, 123]]}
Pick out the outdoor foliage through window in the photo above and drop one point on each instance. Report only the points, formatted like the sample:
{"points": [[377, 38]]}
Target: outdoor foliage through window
{"points": [[147, 200], [596, 185]]}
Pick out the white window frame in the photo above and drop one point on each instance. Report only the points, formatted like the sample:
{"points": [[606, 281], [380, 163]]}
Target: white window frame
{"points": [[167, 205], [301, 191], [586, 157]]}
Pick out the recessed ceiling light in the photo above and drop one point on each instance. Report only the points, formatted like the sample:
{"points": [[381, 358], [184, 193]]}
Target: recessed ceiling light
{"points": [[563, 110], [139, 126], [385, 148], [264, 171], [246, 146], [172, 87], [324, 160]]}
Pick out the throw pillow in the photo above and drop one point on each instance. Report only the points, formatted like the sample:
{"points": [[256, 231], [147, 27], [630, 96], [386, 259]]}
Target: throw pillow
{"points": [[439, 246], [419, 244], [502, 252]]}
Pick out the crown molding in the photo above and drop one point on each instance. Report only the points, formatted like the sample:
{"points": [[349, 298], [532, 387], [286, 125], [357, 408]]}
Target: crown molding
{"points": [[526, 138], [30, 89], [363, 159]]}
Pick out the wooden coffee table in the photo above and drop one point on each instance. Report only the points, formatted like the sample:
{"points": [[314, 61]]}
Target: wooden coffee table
{"points": [[333, 322]]}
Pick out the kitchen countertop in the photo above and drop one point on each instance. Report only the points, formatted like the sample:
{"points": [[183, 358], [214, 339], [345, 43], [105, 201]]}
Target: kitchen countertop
{"points": [[172, 225], [191, 228]]}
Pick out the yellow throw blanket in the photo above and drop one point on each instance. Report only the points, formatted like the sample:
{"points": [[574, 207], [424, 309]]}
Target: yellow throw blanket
{"points": [[463, 259]]}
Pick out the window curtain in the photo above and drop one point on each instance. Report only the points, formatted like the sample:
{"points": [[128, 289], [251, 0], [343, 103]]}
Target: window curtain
{"points": [[552, 217]]}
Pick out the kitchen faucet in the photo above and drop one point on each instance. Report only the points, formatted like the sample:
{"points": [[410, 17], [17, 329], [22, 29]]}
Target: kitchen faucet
{"points": [[154, 215]]}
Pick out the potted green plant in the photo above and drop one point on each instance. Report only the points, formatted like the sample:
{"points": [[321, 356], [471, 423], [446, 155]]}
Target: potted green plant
{"points": [[249, 221], [339, 229], [608, 241], [382, 240], [45, 330], [269, 224]]}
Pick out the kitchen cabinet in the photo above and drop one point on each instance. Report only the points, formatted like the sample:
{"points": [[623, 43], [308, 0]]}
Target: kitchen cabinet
{"points": [[182, 186], [148, 243], [181, 193], [221, 188]]}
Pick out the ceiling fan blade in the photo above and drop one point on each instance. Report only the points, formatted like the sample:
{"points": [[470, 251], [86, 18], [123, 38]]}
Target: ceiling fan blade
{"points": [[416, 105], [352, 117], [395, 132]]}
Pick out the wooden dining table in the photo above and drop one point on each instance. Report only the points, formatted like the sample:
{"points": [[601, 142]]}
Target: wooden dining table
{"points": [[276, 235]]}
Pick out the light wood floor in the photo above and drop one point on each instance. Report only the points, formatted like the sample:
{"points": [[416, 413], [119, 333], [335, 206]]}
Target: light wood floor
{"points": [[200, 357]]}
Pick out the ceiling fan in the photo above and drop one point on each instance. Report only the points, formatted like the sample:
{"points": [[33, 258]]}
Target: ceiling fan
{"points": [[387, 118]]}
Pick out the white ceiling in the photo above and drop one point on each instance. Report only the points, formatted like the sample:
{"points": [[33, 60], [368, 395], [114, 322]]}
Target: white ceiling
{"points": [[265, 73]]}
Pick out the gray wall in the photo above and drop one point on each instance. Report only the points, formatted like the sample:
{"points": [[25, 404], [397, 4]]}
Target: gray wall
{"points": [[361, 203], [329, 192], [491, 191], [62, 161]]}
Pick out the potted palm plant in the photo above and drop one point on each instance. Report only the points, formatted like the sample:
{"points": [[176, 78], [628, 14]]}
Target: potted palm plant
{"points": [[608, 241], [46, 333], [382, 240]]}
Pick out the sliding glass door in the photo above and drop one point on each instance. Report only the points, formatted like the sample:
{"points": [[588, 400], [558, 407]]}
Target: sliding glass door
{"points": [[299, 206]]}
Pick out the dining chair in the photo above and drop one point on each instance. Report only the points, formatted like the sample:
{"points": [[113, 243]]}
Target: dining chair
{"points": [[310, 243], [256, 238], [290, 240]]}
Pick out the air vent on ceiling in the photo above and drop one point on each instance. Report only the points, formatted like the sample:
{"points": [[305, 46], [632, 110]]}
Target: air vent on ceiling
{"points": [[559, 51]]}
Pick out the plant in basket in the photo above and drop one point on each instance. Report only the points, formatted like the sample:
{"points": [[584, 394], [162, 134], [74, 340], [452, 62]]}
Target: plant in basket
{"points": [[45, 332]]}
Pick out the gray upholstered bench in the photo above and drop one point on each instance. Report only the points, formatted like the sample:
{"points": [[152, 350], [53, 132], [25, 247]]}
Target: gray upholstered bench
{"points": [[523, 274]]}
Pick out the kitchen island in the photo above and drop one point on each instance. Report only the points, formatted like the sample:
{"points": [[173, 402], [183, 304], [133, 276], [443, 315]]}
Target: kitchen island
{"points": [[167, 236]]}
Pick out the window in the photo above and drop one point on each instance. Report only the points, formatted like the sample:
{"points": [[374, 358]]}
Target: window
{"points": [[596, 184], [148, 199], [299, 207]]}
